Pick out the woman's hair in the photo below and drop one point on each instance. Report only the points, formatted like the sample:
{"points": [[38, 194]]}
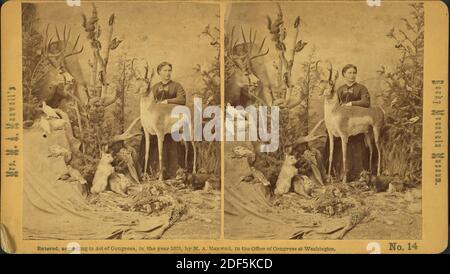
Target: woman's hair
{"points": [[163, 64], [347, 67]]}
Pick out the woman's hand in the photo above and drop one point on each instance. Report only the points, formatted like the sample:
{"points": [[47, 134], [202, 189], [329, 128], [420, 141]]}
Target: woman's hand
{"points": [[280, 103]]}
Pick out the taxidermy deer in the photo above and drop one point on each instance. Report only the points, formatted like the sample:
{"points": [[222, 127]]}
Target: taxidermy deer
{"points": [[246, 83], [58, 65], [345, 121], [156, 119]]}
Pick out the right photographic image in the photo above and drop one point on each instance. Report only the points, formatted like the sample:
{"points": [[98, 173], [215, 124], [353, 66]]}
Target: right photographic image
{"points": [[323, 121]]}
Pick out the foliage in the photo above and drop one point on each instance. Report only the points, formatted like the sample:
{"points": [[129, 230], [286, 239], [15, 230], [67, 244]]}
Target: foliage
{"points": [[292, 121], [94, 32], [307, 83], [211, 94], [402, 142], [123, 80], [100, 114], [278, 32], [31, 43]]}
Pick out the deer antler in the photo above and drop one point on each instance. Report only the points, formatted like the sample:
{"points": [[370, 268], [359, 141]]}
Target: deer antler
{"points": [[73, 52], [138, 75], [252, 41], [230, 46], [47, 42], [260, 53], [230, 43], [330, 69]]}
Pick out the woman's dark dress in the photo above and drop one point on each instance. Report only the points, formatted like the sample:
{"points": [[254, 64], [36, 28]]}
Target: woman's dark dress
{"points": [[357, 152], [173, 152]]}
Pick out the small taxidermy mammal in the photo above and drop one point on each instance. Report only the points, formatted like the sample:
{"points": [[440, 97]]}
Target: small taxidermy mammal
{"points": [[378, 183], [195, 181], [302, 185], [119, 183], [288, 171], [75, 175], [104, 170], [212, 183], [396, 186]]}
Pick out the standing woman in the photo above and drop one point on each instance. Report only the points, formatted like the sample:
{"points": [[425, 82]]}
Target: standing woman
{"points": [[351, 94], [166, 91]]}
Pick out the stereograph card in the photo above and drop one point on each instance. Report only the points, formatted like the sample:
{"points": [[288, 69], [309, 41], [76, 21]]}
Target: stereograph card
{"points": [[224, 127]]}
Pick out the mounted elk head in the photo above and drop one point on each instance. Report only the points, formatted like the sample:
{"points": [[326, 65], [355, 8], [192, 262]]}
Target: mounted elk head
{"points": [[57, 51], [58, 67], [244, 85]]}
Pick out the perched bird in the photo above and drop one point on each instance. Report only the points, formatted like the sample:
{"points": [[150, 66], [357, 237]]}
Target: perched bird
{"points": [[99, 31], [240, 152], [115, 43], [50, 112], [412, 120], [57, 150], [45, 125], [300, 45], [89, 25], [75, 175], [283, 34], [58, 124], [259, 176]]}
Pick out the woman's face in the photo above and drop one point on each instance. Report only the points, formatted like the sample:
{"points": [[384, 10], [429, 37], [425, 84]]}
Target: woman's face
{"points": [[165, 73], [350, 75]]}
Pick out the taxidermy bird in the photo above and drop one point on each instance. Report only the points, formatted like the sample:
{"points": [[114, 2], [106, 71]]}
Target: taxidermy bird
{"points": [[50, 112]]}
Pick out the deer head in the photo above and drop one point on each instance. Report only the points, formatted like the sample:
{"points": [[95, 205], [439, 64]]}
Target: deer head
{"points": [[57, 51], [143, 81], [327, 85], [241, 55]]}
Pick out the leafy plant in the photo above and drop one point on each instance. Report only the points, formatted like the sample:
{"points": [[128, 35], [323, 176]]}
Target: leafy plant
{"points": [[210, 94], [402, 142], [31, 43]]}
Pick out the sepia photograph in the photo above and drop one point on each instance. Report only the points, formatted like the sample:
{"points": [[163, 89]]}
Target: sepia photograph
{"points": [[224, 127], [344, 85], [100, 82]]}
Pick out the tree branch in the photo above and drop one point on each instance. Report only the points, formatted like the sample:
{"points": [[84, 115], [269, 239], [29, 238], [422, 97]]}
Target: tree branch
{"points": [[311, 137], [127, 135]]}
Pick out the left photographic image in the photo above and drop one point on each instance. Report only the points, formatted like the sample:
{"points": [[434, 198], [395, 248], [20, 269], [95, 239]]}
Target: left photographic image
{"points": [[104, 85]]}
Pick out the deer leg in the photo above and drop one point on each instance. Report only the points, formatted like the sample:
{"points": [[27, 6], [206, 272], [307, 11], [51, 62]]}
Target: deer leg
{"points": [[376, 135], [369, 144], [147, 150], [160, 153], [344, 141], [186, 151], [330, 157], [195, 159]]}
